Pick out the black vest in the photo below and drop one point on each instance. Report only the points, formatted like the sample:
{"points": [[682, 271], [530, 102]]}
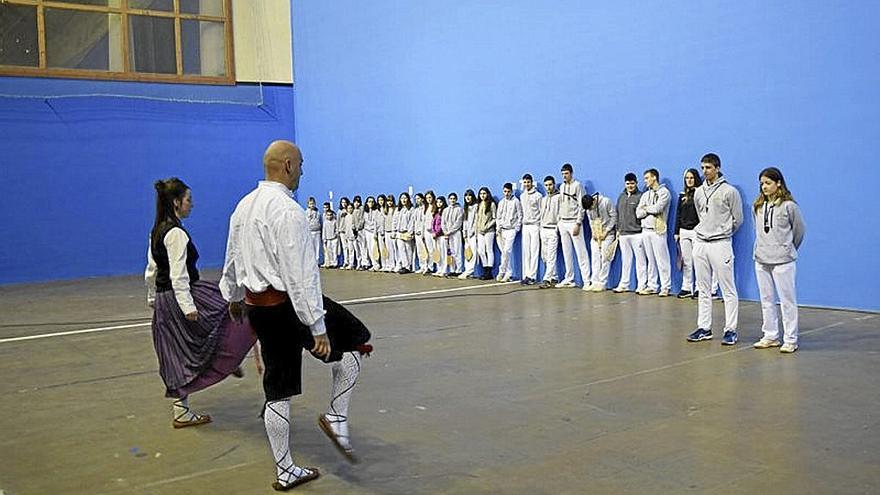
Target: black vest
{"points": [[160, 256]]}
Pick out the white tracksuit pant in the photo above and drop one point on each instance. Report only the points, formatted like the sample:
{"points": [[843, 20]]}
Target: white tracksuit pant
{"points": [[569, 241], [505, 244], [631, 247], [715, 258], [331, 252], [486, 249], [657, 252], [450, 246], [470, 264], [373, 247], [404, 253], [686, 243], [531, 250], [315, 236], [549, 246], [600, 265], [348, 254], [688, 281], [429, 245], [360, 249], [389, 262], [778, 280]]}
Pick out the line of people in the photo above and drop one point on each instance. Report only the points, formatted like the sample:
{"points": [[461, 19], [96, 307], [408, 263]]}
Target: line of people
{"points": [[434, 236]]}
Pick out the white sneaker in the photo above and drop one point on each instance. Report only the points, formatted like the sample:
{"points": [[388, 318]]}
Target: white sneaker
{"points": [[663, 293], [766, 343], [599, 288], [506, 278], [565, 284], [587, 288], [646, 292], [620, 290], [788, 348], [463, 276]]}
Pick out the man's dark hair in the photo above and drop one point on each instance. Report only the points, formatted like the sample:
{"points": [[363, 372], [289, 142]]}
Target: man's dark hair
{"points": [[550, 177], [528, 177], [654, 172], [711, 158], [630, 177], [508, 185], [567, 168]]}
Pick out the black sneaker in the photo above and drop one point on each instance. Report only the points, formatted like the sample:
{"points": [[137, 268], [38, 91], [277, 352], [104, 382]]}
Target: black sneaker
{"points": [[700, 334], [684, 294]]}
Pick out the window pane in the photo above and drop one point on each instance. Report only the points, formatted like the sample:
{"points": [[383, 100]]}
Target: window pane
{"points": [[203, 7], [103, 3], [151, 44], [83, 40], [204, 49], [167, 5], [18, 35]]}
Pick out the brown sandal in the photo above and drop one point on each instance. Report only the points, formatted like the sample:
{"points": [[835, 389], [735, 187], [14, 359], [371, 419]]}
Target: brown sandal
{"points": [[278, 486], [328, 430]]}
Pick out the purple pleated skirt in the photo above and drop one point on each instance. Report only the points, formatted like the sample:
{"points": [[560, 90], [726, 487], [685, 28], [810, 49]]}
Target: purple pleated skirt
{"points": [[194, 355]]}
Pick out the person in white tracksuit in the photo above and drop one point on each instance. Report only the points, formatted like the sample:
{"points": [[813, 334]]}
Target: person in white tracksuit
{"points": [[549, 231], [530, 200], [469, 230], [404, 223], [428, 211], [313, 217], [571, 215], [372, 227], [331, 238], [509, 224], [451, 222], [486, 211], [720, 208], [389, 255], [602, 215], [779, 232], [653, 211], [360, 241]]}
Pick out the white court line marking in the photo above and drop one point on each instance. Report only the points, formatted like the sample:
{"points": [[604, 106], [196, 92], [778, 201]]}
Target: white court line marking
{"points": [[147, 323], [634, 374]]}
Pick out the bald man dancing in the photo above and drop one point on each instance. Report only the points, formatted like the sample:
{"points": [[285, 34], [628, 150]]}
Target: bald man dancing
{"points": [[271, 267]]}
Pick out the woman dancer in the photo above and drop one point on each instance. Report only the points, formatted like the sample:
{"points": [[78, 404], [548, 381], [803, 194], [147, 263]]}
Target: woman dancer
{"points": [[486, 232], [196, 341]]}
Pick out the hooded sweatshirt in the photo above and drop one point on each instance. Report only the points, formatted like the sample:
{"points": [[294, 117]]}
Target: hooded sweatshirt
{"points": [[627, 223], [779, 231], [720, 209]]}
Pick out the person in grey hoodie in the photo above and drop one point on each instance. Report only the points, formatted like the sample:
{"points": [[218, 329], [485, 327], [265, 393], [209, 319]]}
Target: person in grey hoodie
{"points": [[313, 216], [720, 209], [779, 232], [630, 230], [653, 211]]}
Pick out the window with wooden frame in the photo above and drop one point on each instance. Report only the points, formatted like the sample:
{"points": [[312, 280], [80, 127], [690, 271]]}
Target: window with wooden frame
{"points": [[185, 41]]}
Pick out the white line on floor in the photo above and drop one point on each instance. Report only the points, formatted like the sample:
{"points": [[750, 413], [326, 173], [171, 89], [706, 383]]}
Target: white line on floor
{"points": [[147, 323]]}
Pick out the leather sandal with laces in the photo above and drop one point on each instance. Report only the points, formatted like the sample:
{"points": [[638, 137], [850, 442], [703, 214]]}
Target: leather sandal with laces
{"points": [[327, 428]]}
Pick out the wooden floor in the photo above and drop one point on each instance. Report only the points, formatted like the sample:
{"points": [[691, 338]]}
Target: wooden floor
{"points": [[491, 389]]}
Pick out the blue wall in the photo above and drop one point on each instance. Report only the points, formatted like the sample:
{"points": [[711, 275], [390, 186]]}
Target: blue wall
{"points": [[452, 95], [77, 190]]}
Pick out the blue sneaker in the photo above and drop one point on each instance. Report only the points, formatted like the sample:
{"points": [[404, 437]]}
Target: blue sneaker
{"points": [[729, 338], [700, 334]]}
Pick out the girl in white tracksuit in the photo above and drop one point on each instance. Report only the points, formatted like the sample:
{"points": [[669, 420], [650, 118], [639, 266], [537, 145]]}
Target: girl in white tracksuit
{"points": [[428, 211], [372, 227], [779, 231], [469, 228], [389, 257]]}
